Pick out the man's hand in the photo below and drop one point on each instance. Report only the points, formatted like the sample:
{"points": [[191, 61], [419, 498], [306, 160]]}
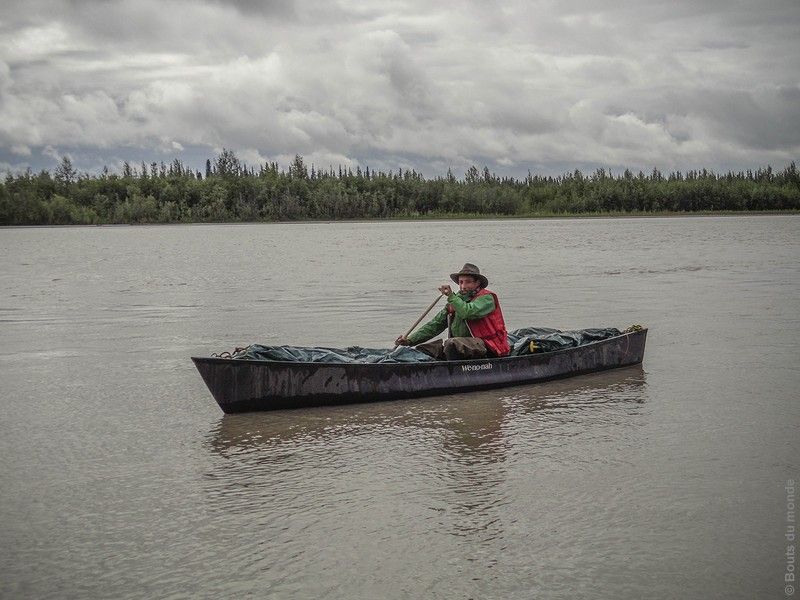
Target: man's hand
{"points": [[402, 341], [446, 290]]}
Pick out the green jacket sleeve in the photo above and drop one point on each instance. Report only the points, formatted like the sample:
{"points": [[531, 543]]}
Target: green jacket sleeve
{"points": [[479, 307], [431, 329]]}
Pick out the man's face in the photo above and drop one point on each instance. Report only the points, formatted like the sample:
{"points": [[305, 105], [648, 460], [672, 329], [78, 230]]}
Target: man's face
{"points": [[467, 283]]}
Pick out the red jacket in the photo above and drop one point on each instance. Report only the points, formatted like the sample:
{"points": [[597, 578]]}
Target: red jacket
{"points": [[491, 328]]}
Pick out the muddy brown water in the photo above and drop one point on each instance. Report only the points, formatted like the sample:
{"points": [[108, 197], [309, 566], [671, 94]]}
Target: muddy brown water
{"points": [[121, 478]]}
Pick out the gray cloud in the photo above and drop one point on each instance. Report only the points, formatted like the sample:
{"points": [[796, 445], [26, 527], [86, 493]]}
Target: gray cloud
{"points": [[542, 85]]}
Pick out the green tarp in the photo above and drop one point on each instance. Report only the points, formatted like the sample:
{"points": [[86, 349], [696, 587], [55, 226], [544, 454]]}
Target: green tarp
{"points": [[545, 340]]}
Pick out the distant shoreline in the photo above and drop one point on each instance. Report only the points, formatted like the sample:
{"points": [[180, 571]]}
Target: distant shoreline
{"points": [[231, 192], [439, 218]]}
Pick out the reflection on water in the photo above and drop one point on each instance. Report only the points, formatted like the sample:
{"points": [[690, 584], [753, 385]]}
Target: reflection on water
{"points": [[440, 464], [474, 420]]}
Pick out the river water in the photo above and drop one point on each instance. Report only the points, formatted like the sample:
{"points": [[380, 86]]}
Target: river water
{"points": [[121, 478]]}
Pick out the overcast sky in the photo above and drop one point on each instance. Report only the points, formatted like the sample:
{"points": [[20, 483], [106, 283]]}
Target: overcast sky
{"points": [[548, 86]]}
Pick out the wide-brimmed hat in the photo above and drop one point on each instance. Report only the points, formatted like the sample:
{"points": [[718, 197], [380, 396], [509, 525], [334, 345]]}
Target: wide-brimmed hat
{"points": [[472, 271]]}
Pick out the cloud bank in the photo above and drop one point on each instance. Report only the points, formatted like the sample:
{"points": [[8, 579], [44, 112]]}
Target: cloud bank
{"points": [[543, 86]]}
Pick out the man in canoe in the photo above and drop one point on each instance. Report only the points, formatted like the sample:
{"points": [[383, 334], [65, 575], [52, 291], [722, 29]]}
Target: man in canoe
{"points": [[473, 320]]}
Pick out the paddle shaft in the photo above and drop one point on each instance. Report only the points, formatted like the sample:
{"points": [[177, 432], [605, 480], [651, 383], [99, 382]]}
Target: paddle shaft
{"points": [[422, 316]]}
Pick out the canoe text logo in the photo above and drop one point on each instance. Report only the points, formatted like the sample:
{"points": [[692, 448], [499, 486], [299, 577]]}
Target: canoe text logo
{"points": [[482, 367]]}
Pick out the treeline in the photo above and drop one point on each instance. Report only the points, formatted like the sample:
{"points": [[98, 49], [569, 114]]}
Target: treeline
{"points": [[231, 191]]}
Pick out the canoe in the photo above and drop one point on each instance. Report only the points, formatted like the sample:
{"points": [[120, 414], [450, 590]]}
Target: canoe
{"points": [[254, 385]]}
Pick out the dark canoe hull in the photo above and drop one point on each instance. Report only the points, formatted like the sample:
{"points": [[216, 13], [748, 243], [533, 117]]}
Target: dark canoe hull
{"points": [[250, 385]]}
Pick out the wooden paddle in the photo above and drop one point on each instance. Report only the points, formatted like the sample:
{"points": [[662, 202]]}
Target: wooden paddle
{"points": [[422, 316]]}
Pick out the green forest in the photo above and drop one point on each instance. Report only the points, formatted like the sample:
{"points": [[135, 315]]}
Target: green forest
{"points": [[231, 191]]}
